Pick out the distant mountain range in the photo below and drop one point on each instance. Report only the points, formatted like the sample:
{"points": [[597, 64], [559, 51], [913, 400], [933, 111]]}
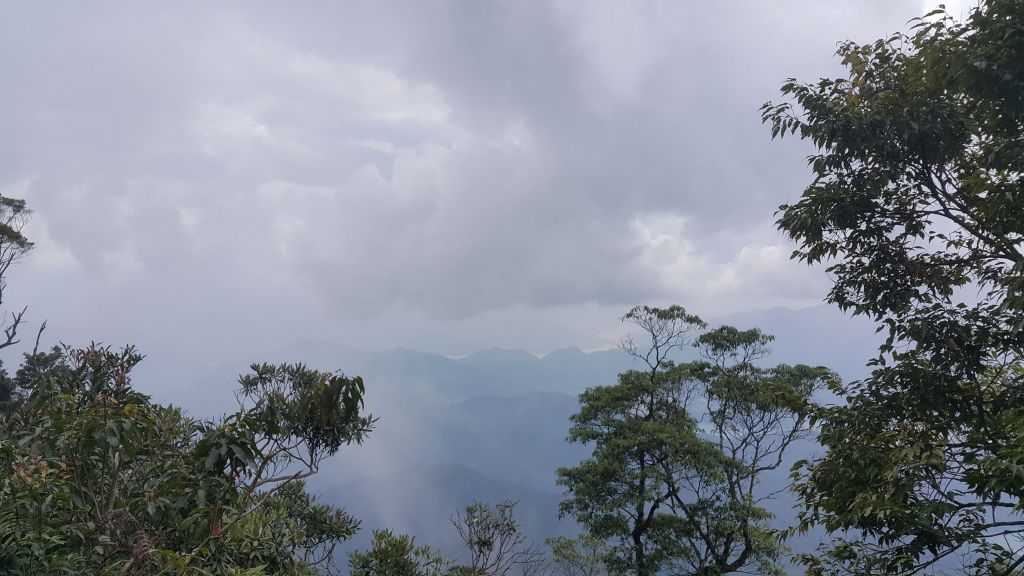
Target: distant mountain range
{"points": [[492, 425]]}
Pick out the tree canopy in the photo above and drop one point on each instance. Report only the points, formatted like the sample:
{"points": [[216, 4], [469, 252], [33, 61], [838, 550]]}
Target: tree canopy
{"points": [[679, 450], [917, 206], [96, 478]]}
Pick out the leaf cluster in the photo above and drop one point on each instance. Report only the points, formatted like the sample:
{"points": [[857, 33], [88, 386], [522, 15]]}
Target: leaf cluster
{"points": [[917, 207], [679, 449], [96, 478]]}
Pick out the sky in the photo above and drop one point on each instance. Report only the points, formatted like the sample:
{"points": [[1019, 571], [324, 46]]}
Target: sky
{"points": [[217, 180]]}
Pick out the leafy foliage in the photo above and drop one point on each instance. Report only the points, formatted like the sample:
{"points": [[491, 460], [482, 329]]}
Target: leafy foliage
{"points": [[494, 542], [620, 494], [393, 555], [917, 203], [96, 478], [679, 450], [580, 556]]}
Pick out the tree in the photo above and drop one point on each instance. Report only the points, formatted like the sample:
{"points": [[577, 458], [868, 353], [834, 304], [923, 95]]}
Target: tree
{"points": [[491, 535], [917, 204], [580, 556], [13, 390], [496, 545], [751, 415], [14, 245], [620, 494], [679, 449], [96, 478], [392, 555]]}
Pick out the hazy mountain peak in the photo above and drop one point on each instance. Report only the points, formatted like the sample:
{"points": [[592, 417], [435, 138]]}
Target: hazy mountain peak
{"points": [[502, 354], [570, 352]]}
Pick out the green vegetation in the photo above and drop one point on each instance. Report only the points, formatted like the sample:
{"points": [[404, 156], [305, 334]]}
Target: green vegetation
{"points": [[398, 556], [97, 479], [580, 556], [493, 540], [679, 450], [918, 203]]}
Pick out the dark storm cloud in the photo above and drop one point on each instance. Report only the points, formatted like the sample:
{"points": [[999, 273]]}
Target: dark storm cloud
{"points": [[391, 170]]}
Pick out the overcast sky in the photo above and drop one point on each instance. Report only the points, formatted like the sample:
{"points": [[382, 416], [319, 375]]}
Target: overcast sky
{"points": [[222, 178]]}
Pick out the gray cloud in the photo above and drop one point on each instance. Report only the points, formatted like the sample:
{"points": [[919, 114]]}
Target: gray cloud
{"points": [[432, 175]]}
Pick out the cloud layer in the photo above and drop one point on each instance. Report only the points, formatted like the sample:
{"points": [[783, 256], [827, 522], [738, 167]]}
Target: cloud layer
{"points": [[444, 175]]}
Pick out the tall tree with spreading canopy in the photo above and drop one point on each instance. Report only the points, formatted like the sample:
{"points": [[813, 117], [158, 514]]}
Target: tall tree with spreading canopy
{"points": [[917, 204], [679, 450], [620, 494]]}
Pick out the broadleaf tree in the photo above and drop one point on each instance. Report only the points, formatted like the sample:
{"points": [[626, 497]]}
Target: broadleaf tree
{"points": [[581, 556], [680, 449], [96, 478], [398, 555], [916, 204]]}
